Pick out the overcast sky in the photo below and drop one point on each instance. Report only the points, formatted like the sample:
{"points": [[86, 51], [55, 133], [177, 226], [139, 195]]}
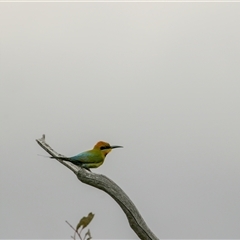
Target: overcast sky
{"points": [[160, 79]]}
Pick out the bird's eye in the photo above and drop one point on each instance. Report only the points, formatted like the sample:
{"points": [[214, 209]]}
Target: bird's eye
{"points": [[103, 147]]}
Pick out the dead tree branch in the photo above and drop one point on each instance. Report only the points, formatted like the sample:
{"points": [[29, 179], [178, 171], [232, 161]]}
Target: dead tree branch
{"points": [[107, 185]]}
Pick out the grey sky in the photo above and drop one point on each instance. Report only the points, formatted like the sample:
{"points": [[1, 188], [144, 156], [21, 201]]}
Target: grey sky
{"points": [[161, 79]]}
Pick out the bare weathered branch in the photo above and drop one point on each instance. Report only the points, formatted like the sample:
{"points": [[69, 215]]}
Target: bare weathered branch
{"points": [[107, 185]]}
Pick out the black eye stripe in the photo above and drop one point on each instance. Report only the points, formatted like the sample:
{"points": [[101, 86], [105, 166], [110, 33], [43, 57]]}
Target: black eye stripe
{"points": [[104, 147]]}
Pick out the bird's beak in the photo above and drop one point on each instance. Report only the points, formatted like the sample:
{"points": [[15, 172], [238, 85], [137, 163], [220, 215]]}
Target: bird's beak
{"points": [[116, 147]]}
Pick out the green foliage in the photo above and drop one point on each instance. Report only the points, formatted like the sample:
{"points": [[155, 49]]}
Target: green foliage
{"points": [[83, 223]]}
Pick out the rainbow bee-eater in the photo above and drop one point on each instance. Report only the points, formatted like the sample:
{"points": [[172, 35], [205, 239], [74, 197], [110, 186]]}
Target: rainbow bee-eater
{"points": [[92, 158]]}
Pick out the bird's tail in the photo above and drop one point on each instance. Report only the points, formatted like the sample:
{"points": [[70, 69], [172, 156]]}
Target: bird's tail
{"points": [[62, 158], [73, 161]]}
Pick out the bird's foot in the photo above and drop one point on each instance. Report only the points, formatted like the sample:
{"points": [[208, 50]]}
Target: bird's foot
{"points": [[88, 169]]}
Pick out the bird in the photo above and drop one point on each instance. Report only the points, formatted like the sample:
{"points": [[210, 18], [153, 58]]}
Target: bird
{"points": [[93, 158]]}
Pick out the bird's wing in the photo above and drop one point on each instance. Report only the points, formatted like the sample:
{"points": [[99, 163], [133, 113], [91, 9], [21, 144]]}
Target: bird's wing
{"points": [[87, 157]]}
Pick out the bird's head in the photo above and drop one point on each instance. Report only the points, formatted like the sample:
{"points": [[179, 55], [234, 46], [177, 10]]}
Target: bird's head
{"points": [[105, 147]]}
